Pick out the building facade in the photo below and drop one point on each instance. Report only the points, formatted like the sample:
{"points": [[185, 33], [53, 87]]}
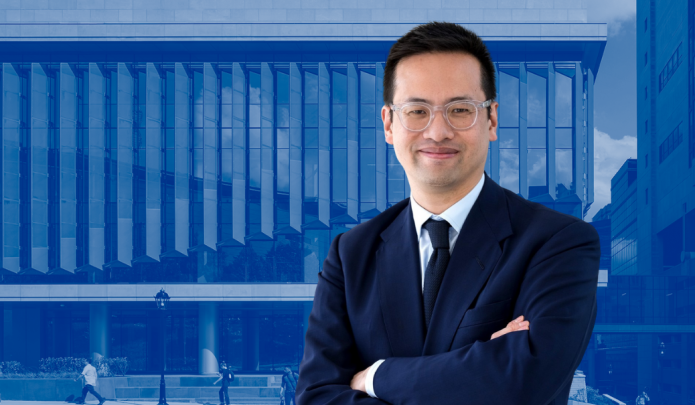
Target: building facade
{"points": [[216, 149], [645, 329]]}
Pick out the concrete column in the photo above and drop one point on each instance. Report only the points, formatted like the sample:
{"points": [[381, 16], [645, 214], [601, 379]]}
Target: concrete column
{"points": [[647, 347], [99, 329], [208, 342], [250, 337], [305, 320], [590, 357]]}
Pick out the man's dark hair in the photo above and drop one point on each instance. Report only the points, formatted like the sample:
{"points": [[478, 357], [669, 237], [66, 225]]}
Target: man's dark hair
{"points": [[440, 37], [89, 360]]}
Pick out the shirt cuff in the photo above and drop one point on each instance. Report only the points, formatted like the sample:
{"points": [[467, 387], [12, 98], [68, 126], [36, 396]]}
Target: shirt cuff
{"points": [[369, 380]]}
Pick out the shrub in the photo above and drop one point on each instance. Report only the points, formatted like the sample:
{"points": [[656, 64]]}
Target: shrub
{"points": [[119, 365], [61, 365], [10, 367], [596, 398], [64, 367]]}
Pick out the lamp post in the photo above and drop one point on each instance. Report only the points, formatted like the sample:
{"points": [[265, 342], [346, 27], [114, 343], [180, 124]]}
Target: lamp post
{"points": [[162, 300]]}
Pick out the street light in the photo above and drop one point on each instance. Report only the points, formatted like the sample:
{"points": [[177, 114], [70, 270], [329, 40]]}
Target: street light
{"points": [[162, 300]]}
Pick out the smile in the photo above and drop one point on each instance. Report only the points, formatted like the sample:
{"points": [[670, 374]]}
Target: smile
{"points": [[438, 155]]}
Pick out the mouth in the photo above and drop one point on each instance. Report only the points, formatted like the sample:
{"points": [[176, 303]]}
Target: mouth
{"points": [[444, 153]]}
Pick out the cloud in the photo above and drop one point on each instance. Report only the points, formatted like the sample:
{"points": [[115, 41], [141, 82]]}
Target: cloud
{"points": [[614, 12], [609, 156]]}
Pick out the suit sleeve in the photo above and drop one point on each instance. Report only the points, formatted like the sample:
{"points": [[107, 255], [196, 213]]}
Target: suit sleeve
{"points": [[330, 351], [557, 296]]}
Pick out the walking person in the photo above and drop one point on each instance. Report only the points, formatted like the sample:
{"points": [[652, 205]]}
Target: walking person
{"points": [[643, 398], [90, 378], [289, 386], [227, 376]]}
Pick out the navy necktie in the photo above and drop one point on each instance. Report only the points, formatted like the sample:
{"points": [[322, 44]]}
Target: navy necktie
{"points": [[439, 236]]}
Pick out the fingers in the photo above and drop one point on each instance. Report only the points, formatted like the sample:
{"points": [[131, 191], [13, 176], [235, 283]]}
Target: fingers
{"points": [[513, 326]]}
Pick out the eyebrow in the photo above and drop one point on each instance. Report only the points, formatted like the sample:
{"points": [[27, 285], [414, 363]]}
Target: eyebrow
{"points": [[422, 100]]}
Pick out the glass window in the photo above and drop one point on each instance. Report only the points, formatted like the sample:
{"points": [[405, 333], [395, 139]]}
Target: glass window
{"points": [[283, 137], [536, 167], [311, 115], [311, 88], [283, 88], [339, 87], [255, 168], [509, 169], [339, 175], [367, 137], [535, 137], [396, 178], [563, 100], [509, 100], [254, 138], [368, 175], [339, 138], [283, 170], [254, 88], [508, 137], [563, 168], [311, 169], [535, 114], [563, 138], [367, 88], [367, 115], [283, 115], [311, 138]]}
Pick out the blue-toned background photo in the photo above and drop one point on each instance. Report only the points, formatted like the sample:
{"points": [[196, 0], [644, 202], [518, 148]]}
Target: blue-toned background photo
{"points": [[215, 148]]}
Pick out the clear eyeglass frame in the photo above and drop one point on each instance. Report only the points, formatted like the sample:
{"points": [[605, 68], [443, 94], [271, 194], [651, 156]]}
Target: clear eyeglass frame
{"points": [[477, 104]]}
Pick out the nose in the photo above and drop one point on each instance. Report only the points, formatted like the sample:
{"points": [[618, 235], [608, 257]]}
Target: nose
{"points": [[439, 129]]}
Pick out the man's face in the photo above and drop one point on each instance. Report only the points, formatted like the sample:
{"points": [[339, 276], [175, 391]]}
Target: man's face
{"points": [[440, 156]]}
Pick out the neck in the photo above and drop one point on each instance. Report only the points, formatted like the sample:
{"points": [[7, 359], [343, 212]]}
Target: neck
{"points": [[437, 200]]}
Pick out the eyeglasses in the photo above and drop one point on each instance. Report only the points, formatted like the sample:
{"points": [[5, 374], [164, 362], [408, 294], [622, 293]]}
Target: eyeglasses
{"points": [[460, 114]]}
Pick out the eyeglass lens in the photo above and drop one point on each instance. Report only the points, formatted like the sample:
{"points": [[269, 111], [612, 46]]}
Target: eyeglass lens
{"points": [[461, 116]]}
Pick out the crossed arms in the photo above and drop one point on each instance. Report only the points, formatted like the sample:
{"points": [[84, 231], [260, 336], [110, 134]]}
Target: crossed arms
{"points": [[557, 294]]}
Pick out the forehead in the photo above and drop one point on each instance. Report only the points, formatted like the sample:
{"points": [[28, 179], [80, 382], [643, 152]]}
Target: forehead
{"points": [[440, 75]]}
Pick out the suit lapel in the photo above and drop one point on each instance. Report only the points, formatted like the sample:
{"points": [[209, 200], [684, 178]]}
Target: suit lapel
{"points": [[475, 254], [399, 279]]}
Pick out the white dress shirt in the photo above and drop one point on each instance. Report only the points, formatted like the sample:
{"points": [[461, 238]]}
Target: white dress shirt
{"points": [[90, 375], [455, 215]]}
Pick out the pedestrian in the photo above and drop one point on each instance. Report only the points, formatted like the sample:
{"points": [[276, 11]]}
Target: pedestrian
{"points": [[643, 398], [289, 386], [227, 376], [90, 378]]}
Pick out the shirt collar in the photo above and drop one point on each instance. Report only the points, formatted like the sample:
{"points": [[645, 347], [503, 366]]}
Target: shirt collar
{"points": [[454, 215]]}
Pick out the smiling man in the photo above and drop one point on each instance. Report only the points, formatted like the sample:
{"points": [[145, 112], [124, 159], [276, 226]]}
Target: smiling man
{"points": [[464, 293]]}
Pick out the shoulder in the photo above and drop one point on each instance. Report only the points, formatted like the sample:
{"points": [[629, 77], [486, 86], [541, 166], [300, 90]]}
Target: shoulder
{"points": [[533, 218]]}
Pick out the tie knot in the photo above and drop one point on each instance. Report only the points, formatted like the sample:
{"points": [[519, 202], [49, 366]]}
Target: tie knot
{"points": [[439, 233]]}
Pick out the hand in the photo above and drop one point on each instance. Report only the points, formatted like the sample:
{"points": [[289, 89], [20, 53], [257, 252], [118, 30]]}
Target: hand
{"points": [[513, 326], [358, 381]]}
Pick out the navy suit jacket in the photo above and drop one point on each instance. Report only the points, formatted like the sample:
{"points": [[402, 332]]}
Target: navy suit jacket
{"points": [[513, 257]]}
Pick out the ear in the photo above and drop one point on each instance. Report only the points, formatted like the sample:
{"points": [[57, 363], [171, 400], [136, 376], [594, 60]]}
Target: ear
{"points": [[492, 121], [388, 124]]}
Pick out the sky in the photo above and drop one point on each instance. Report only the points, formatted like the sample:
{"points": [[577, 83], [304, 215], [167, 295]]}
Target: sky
{"points": [[615, 95]]}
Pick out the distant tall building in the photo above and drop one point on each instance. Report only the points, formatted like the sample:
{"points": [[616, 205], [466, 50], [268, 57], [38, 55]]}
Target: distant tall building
{"points": [[602, 222], [666, 136], [643, 337], [624, 220]]}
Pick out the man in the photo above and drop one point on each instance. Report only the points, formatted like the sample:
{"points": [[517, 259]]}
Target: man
{"points": [[407, 303], [226, 376], [289, 386], [90, 380]]}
